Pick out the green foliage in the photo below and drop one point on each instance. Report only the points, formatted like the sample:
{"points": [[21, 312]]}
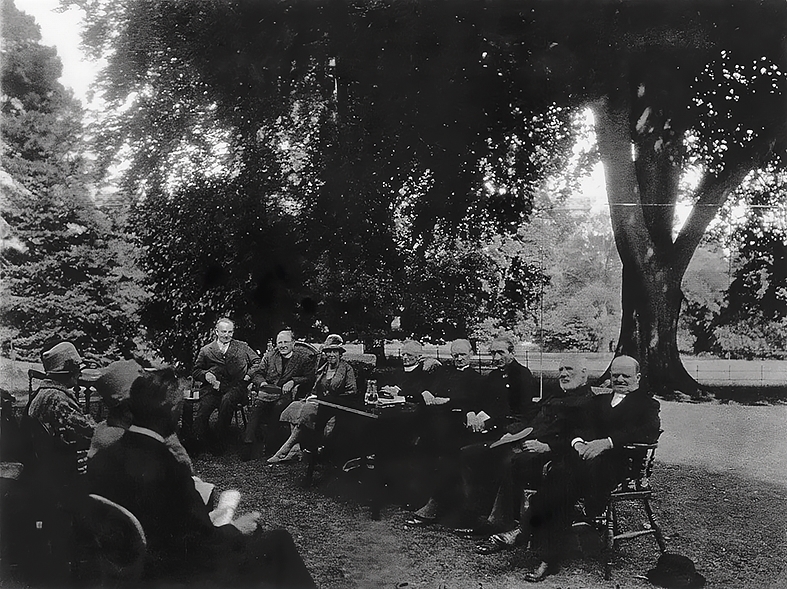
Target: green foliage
{"points": [[343, 169], [581, 299], [72, 275]]}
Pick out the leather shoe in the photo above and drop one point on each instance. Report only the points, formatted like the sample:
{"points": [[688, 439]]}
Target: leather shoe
{"points": [[498, 542], [540, 573], [489, 547]]}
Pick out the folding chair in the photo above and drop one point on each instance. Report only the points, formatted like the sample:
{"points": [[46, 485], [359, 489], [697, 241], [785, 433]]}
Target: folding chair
{"points": [[636, 488]]}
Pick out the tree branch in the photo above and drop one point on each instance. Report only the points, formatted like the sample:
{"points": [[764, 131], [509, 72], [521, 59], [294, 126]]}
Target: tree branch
{"points": [[713, 191]]}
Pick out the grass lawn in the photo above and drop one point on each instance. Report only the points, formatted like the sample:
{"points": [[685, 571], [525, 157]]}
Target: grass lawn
{"points": [[717, 507], [721, 498]]}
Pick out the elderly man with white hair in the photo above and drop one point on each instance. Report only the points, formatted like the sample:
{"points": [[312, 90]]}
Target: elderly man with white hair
{"points": [[417, 374], [518, 465]]}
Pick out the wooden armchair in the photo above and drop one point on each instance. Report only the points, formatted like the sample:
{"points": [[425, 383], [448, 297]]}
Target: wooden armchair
{"points": [[636, 488]]}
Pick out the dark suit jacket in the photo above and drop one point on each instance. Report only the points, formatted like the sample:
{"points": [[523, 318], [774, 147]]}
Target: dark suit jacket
{"points": [[300, 368], [142, 475], [413, 383], [558, 415], [509, 393], [464, 388], [229, 368], [634, 420]]}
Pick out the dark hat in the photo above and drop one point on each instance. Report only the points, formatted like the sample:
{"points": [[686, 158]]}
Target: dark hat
{"points": [[675, 571], [62, 358], [114, 384], [333, 342]]}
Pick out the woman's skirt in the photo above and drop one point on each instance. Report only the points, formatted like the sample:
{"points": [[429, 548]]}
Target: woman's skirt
{"points": [[303, 413]]}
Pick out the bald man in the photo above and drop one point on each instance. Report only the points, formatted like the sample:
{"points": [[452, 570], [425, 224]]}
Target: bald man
{"points": [[596, 463], [282, 373]]}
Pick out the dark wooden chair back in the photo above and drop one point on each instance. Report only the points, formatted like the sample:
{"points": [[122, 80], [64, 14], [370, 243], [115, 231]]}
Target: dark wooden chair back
{"points": [[112, 544], [363, 367]]}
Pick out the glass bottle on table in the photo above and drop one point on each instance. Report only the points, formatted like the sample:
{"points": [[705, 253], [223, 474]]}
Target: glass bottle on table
{"points": [[371, 393]]}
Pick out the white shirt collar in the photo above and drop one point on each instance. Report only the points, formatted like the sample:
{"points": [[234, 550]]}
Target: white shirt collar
{"points": [[146, 432], [288, 356], [617, 398]]}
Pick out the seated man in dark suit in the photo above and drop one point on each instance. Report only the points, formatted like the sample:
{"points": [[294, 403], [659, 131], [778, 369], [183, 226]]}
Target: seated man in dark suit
{"points": [[283, 372], [511, 384], [517, 466], [454, 416], [183, 545], [595, 465], [417, 374], [223, 368]]}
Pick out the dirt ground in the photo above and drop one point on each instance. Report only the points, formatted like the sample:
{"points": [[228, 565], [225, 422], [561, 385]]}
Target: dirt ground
{"points": [[720, 499]]}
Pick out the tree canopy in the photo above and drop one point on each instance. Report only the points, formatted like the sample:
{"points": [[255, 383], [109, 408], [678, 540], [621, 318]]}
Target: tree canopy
{"points": [[68, 272], [373, 133]]}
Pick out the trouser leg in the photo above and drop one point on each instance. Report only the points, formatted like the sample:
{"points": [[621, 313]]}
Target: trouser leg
{"points": [[207, 405], [274, 561], [482, 471], [230, 401], [551, 508]]}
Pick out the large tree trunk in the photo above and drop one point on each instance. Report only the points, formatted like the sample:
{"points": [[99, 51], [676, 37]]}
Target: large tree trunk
{"points": [[642, 193], [649, 328]]}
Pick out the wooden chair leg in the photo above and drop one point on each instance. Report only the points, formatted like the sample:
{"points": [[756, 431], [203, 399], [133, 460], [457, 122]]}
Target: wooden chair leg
{"points": [[655, 526], [609, 540]]}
